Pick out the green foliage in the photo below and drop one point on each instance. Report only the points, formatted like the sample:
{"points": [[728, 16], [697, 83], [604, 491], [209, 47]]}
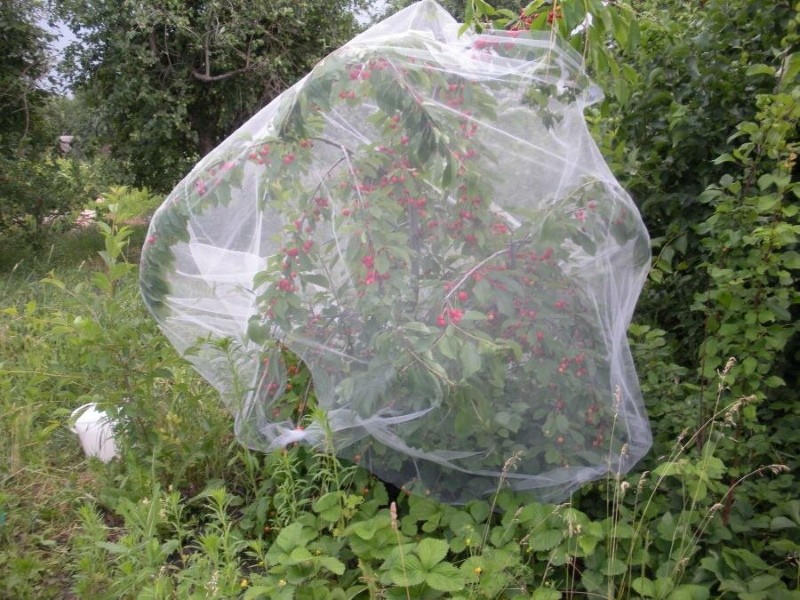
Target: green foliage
{"points": [[32, 186], [299, 524], [605, 33], [753, 235], [694, 90], [167, 82], [34, 193], [23, 63]]}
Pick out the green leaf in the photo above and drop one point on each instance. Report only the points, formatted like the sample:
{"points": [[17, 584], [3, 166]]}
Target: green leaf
{"points": [[406, 571], [781, 522], [444, 577], [470, 360], [333, 564], [546, 540], [762, 583], [484, 8], [431, 551], [366, 530], [292, 536], [791, 259], [774, 381], [644, 586], [299, 555], [382, 263], [671, 468], [257, 331], [760, 69], [328, 507], [545, 593], [449, 347], [423, 509], [535, 514], [447, 175], [614, 567], [479, 510], [588, 543], [778, 309]]}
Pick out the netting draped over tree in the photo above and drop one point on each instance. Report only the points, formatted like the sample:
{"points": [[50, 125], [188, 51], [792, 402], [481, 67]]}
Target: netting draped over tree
{"points": [[425, 221]]}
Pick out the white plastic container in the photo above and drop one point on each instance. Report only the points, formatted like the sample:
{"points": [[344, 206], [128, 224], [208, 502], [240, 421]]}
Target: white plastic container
{"points": [[95, 430]]}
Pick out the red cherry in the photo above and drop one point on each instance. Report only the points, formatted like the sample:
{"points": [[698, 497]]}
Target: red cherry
{"points": [[456, 314]]}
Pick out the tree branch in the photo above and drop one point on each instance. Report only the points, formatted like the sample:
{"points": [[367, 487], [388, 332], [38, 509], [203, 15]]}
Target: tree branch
{"points": [[206, 78]]}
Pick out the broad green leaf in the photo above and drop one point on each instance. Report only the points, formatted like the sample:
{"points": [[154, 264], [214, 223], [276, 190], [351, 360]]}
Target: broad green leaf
{"points": [[762, 583], [484, 8], [449, 347], [470, 360], [545, 540], [545, 593], [614, 567], [760, 69], [479, 510], [406, 570], [257, 331], [382, 263], [299, 555], [328, 507], [334, 565], [535, 514], [431, 551], [444, 577], [791, 259], [292, 536], [643, 586], [422, 509], [588, 542], [365, 529]]}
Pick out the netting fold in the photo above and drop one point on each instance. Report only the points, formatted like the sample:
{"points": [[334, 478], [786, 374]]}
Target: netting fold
{"points": [[426, 223]]}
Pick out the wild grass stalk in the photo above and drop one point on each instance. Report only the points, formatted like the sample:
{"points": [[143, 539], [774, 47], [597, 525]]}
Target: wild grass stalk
{"points": [[396, 529]]}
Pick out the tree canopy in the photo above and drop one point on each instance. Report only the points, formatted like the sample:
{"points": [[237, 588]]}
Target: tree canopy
{"points": [[172, 79], [24, 62]]}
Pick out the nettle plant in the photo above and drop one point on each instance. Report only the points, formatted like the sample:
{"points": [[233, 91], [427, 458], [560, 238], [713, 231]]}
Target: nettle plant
{"points": [[426, 223]]}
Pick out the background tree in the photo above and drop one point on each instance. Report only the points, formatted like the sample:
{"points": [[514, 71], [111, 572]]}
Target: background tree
{"points": [[24, 62], [29, 186], [170, 80]]}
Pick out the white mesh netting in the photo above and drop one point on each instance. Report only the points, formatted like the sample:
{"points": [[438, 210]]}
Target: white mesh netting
{"points": [[425, 221]]}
